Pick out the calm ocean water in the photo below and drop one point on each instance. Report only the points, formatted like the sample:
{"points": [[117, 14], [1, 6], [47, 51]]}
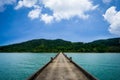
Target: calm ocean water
{"points": [[104, 66], [19, 66]]}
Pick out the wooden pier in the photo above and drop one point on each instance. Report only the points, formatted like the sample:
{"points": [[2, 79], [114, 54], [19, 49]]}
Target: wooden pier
{"points": [[61, 68]]}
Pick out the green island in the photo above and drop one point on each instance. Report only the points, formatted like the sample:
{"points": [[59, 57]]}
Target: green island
{"points": [[44, 45]]}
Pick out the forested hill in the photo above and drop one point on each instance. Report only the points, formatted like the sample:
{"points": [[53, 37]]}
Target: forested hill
{"points": [[43, 45]]}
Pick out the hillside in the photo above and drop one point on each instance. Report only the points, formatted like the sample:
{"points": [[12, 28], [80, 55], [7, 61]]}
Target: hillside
{"points": [[43, 45]]}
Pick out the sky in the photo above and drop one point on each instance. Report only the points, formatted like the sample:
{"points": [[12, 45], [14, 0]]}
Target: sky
{"points": [[71, 20]]}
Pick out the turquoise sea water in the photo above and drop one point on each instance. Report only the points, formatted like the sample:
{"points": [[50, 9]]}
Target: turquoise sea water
{"points": [[104, 66], [19, 66]]}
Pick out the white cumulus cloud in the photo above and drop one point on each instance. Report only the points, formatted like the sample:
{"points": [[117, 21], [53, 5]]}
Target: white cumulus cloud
{"points": [[62, 9], [66, 9], [26, 3], [35, 13], [113, 18], [5, 2], [47, 18]]}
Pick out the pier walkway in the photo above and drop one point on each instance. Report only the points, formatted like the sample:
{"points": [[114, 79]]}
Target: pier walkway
{"points": [[61, 68]]}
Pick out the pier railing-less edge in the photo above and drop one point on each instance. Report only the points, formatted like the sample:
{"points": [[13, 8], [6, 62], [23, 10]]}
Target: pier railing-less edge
{"points": [[91, 77], [40, 70]]}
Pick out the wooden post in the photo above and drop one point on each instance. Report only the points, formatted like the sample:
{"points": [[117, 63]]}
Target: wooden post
{"points": [[51, 59], [70, 59]]}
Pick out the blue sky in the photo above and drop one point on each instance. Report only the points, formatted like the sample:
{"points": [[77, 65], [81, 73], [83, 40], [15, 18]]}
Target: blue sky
{"points": [[72, 20]]}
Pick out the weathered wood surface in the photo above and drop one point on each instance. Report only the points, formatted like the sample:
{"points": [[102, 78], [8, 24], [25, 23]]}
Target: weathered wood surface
{"points": [[61, 68]]}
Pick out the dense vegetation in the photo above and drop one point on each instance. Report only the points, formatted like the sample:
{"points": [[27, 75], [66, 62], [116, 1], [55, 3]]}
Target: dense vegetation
{"points": [[43, 45]]}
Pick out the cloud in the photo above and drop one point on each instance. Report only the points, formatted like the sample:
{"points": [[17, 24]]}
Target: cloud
{"points": [[62, 9], [25, 3], [106, 1], [113, 18], [66, 9], [47, 18], [35, 13], [5, 2]]}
